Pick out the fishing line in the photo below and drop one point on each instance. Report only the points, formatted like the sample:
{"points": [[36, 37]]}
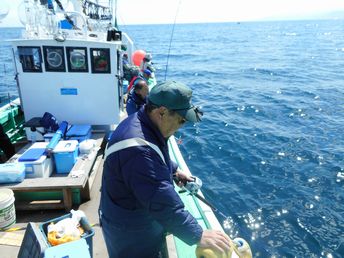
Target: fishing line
{"points": [[169, 48], [124, 24]]}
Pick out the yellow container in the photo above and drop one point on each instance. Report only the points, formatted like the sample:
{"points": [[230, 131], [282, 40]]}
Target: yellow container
{"points": [[238, 245]]}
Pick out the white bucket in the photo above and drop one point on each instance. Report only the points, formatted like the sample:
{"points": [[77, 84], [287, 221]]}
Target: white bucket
{"points": [[7, 210]]}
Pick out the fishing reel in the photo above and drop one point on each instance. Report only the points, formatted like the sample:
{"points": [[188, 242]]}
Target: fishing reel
{"points": [[194, 185]]}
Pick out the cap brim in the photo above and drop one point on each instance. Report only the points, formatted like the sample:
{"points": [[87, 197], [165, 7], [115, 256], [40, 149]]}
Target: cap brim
{"points": [[192, 114]]}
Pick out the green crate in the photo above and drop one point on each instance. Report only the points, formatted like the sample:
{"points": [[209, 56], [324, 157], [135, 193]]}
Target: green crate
{"points": [[42, 196], [3, 117]]}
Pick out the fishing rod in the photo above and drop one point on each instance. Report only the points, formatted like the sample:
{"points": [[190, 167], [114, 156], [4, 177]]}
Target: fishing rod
{"points": [[193, 186], [240, 245], [210, 205], [169, 48]]}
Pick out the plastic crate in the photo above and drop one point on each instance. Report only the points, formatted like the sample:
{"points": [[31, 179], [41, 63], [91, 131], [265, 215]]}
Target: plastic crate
{"points": [[12, 173], [34, 244], [37, 164], [88, 230]]}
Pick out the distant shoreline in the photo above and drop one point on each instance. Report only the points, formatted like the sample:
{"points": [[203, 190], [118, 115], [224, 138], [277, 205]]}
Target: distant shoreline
{"points": [[198, 23]]}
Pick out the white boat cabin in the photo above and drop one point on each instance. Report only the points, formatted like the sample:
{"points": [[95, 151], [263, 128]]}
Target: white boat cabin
{"points": [[71, 71]]}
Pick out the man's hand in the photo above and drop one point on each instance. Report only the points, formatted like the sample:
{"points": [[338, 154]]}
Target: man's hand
{"points": [[181, 178], [216, 240]]}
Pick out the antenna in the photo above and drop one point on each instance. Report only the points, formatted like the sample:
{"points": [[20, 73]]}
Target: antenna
{"points": [[116, 25]]}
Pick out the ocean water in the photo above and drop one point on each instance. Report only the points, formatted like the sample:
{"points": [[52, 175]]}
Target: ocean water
{"points": [[8, 88], [270, 147]]}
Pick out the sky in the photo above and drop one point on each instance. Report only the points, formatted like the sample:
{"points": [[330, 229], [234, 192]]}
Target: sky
{"points": [[195, 11]]}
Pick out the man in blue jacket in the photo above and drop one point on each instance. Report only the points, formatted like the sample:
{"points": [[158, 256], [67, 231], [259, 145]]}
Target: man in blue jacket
{"points": [[137, 97], [138, 201]]}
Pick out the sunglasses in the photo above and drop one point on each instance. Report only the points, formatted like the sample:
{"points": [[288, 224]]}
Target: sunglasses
{"points": [[199, 113]]}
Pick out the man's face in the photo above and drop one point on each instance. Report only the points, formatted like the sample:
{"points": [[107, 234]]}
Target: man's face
{"points": [[171, 122]]}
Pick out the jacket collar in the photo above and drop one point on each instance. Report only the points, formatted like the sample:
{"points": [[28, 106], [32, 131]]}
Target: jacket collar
{"points": [[137, 98], [144, 118]]}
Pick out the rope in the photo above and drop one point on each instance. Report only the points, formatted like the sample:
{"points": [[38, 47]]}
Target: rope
{"points": [[169, 48]]}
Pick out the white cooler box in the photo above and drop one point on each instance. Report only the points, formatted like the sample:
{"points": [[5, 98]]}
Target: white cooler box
{"points": [[36, 162]]}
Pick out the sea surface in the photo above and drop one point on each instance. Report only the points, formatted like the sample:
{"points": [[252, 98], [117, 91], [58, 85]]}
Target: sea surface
{"points": [[270, 148]]}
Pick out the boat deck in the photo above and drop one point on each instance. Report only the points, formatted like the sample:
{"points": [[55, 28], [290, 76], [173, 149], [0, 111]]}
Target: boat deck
{"points": [[78, 178], [10, 241]]}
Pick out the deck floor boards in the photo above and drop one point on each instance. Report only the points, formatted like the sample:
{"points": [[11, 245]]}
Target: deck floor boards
{"points": [[90, 207]]}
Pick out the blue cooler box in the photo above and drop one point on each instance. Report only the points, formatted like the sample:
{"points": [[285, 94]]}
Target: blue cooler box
{"points": [[79, 133], [12, 173], [65, 155]]}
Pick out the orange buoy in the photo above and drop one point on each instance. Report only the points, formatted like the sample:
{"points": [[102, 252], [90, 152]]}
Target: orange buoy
{"points": [[137, 57]]}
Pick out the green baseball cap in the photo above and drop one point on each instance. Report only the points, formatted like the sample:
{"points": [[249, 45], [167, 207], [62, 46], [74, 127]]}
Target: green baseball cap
{"points": [[175, 96]]}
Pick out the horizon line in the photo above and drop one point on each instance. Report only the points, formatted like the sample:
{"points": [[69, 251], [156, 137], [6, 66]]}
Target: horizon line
{"points": [[214, 22]]}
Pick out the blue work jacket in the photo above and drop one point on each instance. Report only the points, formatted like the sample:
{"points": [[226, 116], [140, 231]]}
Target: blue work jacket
{"points": [[137, 186], [134, 102]]}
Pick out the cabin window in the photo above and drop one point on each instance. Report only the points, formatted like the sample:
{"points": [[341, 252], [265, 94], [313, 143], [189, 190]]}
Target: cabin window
{"points": [[100, 60], [31, 59], [54, 59], [77, 59]]}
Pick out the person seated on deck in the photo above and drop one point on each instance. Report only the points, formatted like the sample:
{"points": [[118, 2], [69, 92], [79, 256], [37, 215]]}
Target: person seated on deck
{"points": [[138, 203], [125, 60], [151, 68], [145, 75], [137, 97], [5, 144], [127, 72]]}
